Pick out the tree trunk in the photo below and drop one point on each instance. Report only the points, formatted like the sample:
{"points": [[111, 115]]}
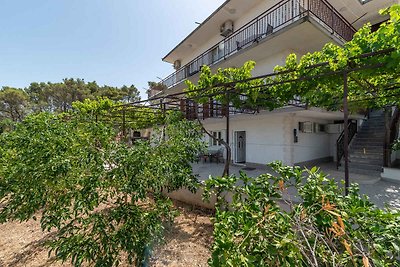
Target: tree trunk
{"points": [[225, 144]]}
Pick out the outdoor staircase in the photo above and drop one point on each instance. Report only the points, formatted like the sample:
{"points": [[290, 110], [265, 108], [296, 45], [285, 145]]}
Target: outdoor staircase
{"points": [[366, 148]]}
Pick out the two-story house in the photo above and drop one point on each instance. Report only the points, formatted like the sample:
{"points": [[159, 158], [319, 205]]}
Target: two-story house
{"points": [[267, 31]]}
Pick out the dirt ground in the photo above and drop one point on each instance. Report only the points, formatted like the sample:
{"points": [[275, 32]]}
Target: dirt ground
{"points": [[187, 242]]}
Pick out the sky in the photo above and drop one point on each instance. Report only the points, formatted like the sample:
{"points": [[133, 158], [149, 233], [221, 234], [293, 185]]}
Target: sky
{"points": [[112, 42]]}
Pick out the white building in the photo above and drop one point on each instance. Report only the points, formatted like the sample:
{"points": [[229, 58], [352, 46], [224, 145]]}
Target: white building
{"points": [[266, 31]]}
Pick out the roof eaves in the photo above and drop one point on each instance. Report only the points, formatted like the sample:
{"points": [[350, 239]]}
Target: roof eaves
{"points": [[197, 28]]}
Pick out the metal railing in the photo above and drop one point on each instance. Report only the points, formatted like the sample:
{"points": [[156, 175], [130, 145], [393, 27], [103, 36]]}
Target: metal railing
{"points": [[352, 127], [275, 18]]}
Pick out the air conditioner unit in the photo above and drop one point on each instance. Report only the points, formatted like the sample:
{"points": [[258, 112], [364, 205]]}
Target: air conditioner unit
{"points": [[306, 127], [319, 128], [177, 64], [334, 128], [226, 28]]}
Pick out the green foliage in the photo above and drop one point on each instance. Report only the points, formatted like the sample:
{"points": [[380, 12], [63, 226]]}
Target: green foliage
{"points": [[6, 125], [396, 145], [369, 87], [93, 108], [111, 113], [299, 218], [13, 104], [154, 88], [103, 197]]}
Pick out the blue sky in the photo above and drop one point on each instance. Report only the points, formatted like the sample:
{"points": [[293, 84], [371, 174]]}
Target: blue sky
{"points": [[113, 42]]}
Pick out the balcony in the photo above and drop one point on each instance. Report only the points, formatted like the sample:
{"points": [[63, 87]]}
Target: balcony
{"points": [[281, 15]]}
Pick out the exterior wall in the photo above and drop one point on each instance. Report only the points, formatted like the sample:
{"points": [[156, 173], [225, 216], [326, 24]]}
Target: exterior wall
{"points": [[312, 146], [267, 65], [207, 44], [240, 22], [270, 137]]}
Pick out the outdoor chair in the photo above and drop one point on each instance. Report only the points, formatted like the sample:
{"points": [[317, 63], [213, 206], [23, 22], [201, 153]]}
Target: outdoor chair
{"points": [[218, 156], [213, 152]]}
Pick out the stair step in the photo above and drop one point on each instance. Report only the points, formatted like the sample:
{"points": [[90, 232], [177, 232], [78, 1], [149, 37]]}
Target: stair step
{"points": [[367, 147], [369, 155], [375, 136], [374, 128], [363, 144], [368, 161], [368, 139], [362, 171], [364, 166], [366, 156]]}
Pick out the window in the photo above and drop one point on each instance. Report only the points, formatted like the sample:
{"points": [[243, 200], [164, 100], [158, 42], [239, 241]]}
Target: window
{"points": [[213, 141], [217, 53]]}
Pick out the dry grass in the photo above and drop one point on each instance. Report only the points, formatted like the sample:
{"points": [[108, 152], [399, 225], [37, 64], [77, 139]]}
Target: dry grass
{"points": [[187, 242]]}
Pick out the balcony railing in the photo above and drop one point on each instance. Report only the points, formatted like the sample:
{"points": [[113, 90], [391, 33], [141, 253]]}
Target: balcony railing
{"points": [[277, 17]]}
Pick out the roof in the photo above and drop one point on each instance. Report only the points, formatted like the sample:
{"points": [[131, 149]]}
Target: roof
{"points": [[197, 28]]}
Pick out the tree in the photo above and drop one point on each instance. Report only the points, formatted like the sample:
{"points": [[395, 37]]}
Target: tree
{"points": [[131, 94], [13, 104], [154, 88], [104, 198], [58, 97]]}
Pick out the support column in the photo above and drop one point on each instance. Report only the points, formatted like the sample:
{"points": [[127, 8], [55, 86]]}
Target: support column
{"points": [[228, 153], [346, 132]]}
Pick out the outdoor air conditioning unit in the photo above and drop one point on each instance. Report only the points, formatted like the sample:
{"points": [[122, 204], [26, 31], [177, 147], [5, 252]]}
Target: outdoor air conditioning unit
{"points": [[226, 28], [177, 64], [306, 127], [334, 128], [319, 128]]}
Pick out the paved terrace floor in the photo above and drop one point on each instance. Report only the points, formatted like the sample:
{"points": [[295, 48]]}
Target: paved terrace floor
{"points": [[380, 192]]}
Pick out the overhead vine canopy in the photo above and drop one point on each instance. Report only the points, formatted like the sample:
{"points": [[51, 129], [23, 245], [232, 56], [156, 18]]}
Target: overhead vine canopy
{"points": [[371, 61]]}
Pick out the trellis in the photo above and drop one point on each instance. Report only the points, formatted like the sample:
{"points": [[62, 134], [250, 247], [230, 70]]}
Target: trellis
{"points": [[162, 103]]}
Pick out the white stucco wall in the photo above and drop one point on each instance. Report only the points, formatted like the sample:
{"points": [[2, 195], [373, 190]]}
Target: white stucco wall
{"points": [[267, 65], [312, 146], [270, 137]]}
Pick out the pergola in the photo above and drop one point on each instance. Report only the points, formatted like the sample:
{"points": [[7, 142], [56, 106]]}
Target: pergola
{"points": [[192, 110]]}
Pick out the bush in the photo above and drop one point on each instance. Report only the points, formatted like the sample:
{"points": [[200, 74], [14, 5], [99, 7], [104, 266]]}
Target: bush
{"points": [[319, 226], [396, 145], [104, 198]]}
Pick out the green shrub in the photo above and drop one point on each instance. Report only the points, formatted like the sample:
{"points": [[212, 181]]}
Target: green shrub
{"points": [[299, 218], [396, 145]]}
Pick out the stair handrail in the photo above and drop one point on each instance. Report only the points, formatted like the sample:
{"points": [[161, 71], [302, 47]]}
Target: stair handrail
{"points": [[394, 125], [390, 136], [352, 129]]}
